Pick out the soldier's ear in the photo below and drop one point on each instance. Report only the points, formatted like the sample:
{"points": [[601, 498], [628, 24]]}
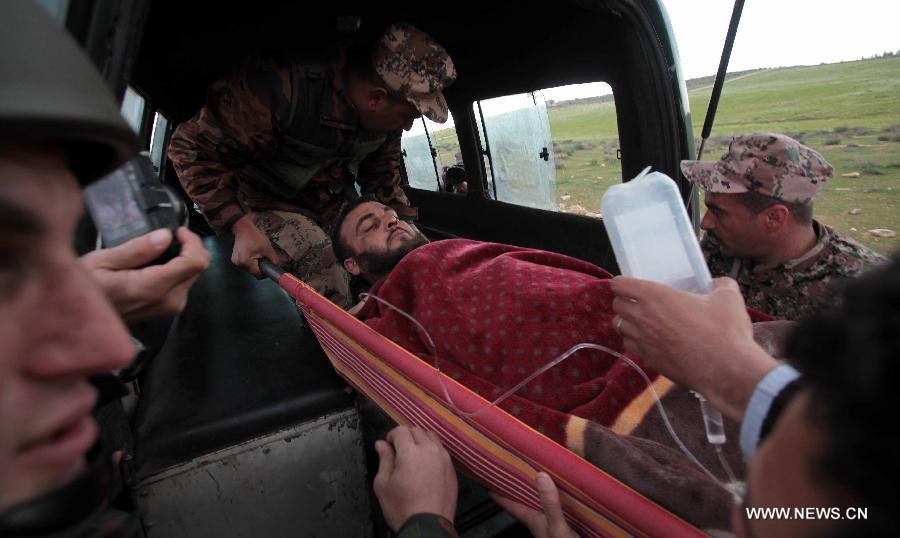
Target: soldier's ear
{"points": [[377, 98], [352, 267], [776, 217]]}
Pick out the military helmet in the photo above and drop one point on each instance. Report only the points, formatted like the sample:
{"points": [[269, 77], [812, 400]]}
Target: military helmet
{"points": [[49, 90]]}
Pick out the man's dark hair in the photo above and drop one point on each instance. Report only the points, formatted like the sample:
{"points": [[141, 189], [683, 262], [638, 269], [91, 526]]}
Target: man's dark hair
{"points": [[850, 359], [342, 250], [359, 60], [756, 203]]}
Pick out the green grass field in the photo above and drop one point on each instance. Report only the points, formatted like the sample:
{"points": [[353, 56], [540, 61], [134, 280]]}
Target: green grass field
{"points": [[850, 112]]}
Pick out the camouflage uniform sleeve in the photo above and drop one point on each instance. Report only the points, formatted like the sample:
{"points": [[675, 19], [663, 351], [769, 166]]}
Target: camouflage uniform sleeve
{"points": [[237, 124], [379, 174], [426, 525]]}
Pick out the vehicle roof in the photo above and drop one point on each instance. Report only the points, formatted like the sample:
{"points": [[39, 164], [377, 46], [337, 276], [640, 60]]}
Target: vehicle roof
{"points": [[498, 47]]}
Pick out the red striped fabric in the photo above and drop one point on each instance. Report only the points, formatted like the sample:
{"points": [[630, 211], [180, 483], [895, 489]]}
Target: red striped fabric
{"points": [[494, 446]]}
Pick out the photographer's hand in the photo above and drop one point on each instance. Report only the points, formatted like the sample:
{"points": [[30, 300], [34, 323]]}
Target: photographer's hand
{"points": [[140, 293], [250, 245]]}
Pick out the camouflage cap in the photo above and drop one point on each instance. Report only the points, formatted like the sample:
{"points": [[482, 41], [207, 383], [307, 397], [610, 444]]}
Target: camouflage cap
{"points": [[413, 64], [771, 164]]}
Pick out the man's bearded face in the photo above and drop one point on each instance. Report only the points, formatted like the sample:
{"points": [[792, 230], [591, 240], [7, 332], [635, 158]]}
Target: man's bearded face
{"points": [[380, 262], [378, 239]]}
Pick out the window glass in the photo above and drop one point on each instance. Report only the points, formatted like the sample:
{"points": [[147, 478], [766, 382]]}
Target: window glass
{"points": [[586, 141], [417, 157], [158, 140], [516, 137], [57, 9], [429, 149], [133, 108], [446, 143], [485, 155], [576, 124]]}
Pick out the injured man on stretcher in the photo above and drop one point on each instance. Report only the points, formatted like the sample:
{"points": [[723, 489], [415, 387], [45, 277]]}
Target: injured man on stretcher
{"points": [[496, 313]]}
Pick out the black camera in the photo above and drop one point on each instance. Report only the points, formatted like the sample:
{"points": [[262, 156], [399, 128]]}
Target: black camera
{"points": [[132, 201]]}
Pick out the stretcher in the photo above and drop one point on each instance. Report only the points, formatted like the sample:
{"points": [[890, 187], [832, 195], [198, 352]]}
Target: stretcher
{"points": [[501, 451]]}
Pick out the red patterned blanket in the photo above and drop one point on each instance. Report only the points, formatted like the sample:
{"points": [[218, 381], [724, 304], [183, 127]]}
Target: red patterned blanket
{"points": [[496, 313]]}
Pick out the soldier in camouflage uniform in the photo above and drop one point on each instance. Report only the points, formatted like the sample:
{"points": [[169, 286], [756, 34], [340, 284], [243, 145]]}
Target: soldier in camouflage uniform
{"points": [[760, 230], [278, 147]]}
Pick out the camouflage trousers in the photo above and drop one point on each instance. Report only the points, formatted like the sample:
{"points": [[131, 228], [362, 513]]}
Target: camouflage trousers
{"points": [[304, 250]]}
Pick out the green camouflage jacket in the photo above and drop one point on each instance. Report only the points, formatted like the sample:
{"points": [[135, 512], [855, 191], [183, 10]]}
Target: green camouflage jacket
{"points": [[240, 124], [796, 288]]}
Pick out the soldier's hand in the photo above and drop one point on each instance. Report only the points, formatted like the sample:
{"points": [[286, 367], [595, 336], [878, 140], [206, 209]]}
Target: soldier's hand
{"points": [[702, 342], [139, 293], [551, 523], [415, 475], [251, 245]]}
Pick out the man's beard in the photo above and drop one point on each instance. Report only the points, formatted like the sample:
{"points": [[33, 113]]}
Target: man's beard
{"points": [[376, 264], [723, 248]]}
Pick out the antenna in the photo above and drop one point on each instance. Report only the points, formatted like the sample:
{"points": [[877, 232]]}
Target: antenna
{"points": [[720, 76]]}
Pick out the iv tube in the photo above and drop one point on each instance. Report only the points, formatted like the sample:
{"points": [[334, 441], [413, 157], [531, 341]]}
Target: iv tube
{"points": [[571, 351]]}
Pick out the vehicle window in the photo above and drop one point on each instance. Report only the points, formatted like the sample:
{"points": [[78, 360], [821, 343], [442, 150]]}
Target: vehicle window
{"points": [[133, 108], [158, 140], [429, 148], [516, 138], [554, 149], [56, 8], [446, 143], [586, 138]]}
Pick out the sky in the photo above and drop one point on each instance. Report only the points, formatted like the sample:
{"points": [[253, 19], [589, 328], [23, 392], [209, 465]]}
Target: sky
{"points": [[772, 33]]}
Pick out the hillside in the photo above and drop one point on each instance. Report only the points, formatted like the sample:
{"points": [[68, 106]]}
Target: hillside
{"points": [[820, 97], [848, 111]]}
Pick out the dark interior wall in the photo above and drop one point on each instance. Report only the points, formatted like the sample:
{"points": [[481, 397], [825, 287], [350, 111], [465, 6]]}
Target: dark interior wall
{"points": [[499, 48], [445, 215]]}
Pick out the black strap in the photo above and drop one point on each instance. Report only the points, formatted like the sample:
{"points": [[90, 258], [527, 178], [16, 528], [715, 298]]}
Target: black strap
{"points": [[310, 82]]}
